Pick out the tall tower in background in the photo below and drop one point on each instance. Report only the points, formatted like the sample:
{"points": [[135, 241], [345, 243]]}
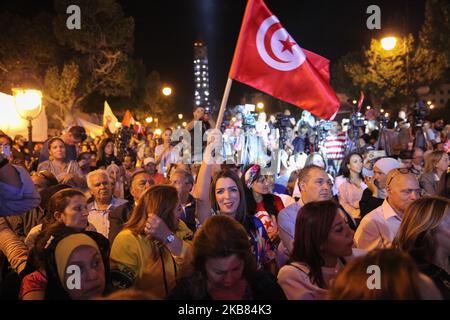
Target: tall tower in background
{"points": [[201, 76]]}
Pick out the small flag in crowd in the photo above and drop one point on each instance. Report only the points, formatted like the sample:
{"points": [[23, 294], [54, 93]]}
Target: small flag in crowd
{"points": [[268, 59], [361, 100]]}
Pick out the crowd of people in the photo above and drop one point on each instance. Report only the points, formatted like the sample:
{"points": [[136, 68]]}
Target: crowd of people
{"points": [[134, 222]]}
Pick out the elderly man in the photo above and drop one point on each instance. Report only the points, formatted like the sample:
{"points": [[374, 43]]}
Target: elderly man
{"points": [[375, 193], [314, 185], [379, 227], [417, 162], [183, 181], [140, 181], [106, 212]]}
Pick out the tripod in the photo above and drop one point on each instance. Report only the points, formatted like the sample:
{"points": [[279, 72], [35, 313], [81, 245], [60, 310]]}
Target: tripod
{"points": [[419, 138]]}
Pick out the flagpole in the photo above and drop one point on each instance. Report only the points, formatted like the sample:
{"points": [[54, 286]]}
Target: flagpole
{"points": [[223, 105]]}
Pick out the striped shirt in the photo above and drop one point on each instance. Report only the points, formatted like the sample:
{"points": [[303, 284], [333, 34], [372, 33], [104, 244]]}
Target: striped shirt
{"points": [[335, 147]]}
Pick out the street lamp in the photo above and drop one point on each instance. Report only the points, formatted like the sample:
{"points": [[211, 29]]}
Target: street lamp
{"points": [[388, 43], [260, 105], [28, 103], [180, 116], [149, 119], [431, 106], [184, 124], [167, 91]]}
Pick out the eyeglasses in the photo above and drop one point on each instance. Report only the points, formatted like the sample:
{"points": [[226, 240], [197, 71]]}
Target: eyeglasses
{"points": [[397, 172]]}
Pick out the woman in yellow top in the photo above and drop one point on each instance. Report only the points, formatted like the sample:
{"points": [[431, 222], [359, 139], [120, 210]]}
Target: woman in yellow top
{"points": [[154, 249]]}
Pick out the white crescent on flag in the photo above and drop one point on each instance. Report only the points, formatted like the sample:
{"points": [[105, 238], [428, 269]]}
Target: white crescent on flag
{"points": [[276, 47]]}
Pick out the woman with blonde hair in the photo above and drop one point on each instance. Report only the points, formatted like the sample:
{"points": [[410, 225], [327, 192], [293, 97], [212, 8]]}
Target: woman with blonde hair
{"points": [[153, 250], [425, 234], [436, 163]]}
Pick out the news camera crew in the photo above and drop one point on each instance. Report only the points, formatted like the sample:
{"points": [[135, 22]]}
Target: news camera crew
{"points": [[200, 114], [17, 195]]}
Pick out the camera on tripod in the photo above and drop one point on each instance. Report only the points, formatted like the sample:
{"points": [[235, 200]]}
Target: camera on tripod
{"points": [[420, 112], [357, 120], [283, 121]]}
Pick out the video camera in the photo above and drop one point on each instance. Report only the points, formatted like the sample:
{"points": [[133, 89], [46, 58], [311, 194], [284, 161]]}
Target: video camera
{"points": [[249, 115], [283, 121], [420, 112], [357, 120]]}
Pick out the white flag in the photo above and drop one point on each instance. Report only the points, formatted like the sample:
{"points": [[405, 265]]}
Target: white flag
{"points": [[109, 119]]}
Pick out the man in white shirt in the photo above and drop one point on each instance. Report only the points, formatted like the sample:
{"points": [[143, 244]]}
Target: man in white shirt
{"points": [[379, 227], [315, 185], [106, 213]]}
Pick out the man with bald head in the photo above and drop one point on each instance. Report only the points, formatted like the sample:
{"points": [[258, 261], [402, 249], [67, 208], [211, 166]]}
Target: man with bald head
{"points": [[314, 185], [379, 227]]}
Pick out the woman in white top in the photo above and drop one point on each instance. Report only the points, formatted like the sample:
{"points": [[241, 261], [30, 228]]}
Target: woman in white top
{"points": [[351, 190], [322, 240], [66, 172]]}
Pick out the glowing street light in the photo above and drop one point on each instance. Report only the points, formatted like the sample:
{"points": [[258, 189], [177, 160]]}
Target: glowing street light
{"points": [[368, 107], [158, 132], [28, 103], [149, 119], [386, 114], [382, 110], [184, 124], [431, 106], [167, 91], [429, 102], [260, 105], [180, 116], [388, 43], [354, 101]]}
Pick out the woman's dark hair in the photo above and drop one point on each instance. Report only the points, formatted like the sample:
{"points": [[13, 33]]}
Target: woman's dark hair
{"points": [[443, 188], [101, 156], [78, 133], [268, 199], [241, 212], [58, 203], [55, 289], [219, 237], [344, 170], [312, 227]]}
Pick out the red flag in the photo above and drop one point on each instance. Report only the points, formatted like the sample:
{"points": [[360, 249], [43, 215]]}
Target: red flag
{"points": [[128, 119], [360, 101], [268, 59]]}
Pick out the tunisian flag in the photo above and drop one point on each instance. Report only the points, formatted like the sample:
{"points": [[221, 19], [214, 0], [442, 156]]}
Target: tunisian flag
{"points": [[268, 59]]}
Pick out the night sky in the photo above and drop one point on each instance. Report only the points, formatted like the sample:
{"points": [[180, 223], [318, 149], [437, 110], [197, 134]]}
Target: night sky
{"points": [[165, 31]]}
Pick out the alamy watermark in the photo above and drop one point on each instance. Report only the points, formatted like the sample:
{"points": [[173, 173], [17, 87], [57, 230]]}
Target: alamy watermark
{"points": [[374, 280], [73, 22]]}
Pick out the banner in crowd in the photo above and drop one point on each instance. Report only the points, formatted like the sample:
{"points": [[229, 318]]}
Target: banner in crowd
{"points": [[268, 59], [109, 119], [12, 124], [92, 129]]}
